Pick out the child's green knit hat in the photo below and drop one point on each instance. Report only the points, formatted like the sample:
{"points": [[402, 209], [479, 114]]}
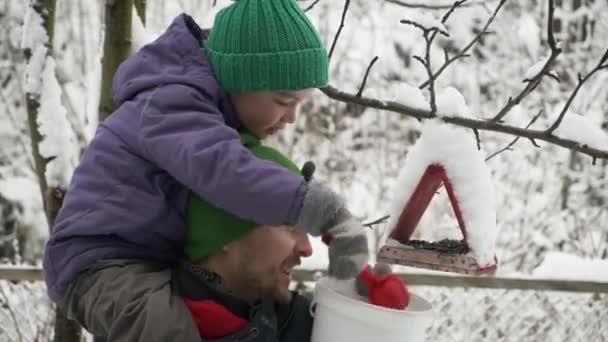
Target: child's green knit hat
{"points": [[266, 45], [209, 228]]}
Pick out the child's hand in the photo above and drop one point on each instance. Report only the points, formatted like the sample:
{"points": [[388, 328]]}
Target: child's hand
{"points": [[324, 213], [348, 249]]}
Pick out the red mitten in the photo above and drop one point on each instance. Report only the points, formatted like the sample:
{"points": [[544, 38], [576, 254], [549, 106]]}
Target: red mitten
{"points": [[386, 290]]}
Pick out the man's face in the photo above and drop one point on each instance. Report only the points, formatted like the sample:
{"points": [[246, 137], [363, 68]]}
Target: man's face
{"points": [[264, 113], [266, 258]]}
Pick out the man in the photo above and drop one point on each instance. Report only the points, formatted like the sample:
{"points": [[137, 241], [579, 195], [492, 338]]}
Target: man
{"points": [[236, 279]]}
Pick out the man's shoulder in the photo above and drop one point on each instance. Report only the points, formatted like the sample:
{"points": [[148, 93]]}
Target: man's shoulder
{"points": [[294, 320]]}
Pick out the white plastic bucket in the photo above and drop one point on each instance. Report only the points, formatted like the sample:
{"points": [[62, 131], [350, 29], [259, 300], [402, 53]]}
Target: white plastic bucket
{"points": [[349, 318]]}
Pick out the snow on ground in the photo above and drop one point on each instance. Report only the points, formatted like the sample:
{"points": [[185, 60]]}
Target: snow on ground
{"points": [[456, 150]]}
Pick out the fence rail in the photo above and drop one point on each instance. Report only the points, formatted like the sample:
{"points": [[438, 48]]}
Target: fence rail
{"points": [[30, 273], [466, 308]]}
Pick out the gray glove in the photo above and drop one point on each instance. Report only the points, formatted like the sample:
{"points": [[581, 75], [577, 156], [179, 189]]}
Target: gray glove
{"points": [[324, 213]]}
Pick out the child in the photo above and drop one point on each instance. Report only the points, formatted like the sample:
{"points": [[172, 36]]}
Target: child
{"points": [[176, 130]]}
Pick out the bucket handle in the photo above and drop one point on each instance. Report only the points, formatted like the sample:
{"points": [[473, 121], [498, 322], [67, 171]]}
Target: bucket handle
{"points": [[312, 308]]}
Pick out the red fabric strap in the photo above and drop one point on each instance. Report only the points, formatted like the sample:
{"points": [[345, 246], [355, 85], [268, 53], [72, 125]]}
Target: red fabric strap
{"points": [[213, 319]]}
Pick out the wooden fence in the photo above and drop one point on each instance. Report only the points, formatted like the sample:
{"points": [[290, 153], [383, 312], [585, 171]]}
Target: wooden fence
{"points": [[28, 273]]}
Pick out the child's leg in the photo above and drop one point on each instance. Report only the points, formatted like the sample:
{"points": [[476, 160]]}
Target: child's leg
{"points": [[128, 300]]}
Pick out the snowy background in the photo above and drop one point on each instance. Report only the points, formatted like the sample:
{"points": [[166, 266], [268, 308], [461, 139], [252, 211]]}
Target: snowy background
{"points": [[551, 204]]}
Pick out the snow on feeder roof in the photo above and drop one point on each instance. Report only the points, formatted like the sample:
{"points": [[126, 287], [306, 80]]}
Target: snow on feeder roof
{"points": [[448, 156]]}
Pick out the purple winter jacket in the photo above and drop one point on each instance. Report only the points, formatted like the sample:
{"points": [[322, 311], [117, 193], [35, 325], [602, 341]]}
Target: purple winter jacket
{"points": [[174, 130]]}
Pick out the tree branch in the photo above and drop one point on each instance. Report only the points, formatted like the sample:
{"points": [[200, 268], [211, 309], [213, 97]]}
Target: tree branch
{"points": [[377, 221], [423, 6], [423, 28], [493, 125], [483, 125], [429, 71], [581, 81], [463, 52], [65, 330], [535, 81], [333, 44], [369, 67], [455, 5], [311, 6]]}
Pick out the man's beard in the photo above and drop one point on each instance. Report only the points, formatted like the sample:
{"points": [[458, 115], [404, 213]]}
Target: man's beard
{"points": [[268, 283]]}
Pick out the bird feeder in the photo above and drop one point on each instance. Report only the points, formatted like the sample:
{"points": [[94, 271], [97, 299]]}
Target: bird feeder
{"points": [[444, 156], [445, 255]]}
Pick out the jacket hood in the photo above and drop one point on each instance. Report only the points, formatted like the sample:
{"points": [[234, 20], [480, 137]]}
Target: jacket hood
{"points": [[176, 57]]}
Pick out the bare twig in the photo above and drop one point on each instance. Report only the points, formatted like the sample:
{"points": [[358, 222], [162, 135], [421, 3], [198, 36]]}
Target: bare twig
{"points": [[463, 52], [483, 125], [535, 81], [581, 81], [429, 71], [369, 67], [477, 138], [311, 5], [333, 44], [429, 34], [421, 5], [455, 5], [423, 28], [535, 144], [377, 221], [508, 147], [12, 312]]}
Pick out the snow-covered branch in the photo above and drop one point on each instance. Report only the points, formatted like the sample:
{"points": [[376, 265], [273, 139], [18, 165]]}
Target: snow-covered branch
{"points": [[495, 124], [50, 132], [483, 125]]}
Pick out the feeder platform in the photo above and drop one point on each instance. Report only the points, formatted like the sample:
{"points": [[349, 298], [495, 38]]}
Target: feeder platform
{"points": [[445, 255]]}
